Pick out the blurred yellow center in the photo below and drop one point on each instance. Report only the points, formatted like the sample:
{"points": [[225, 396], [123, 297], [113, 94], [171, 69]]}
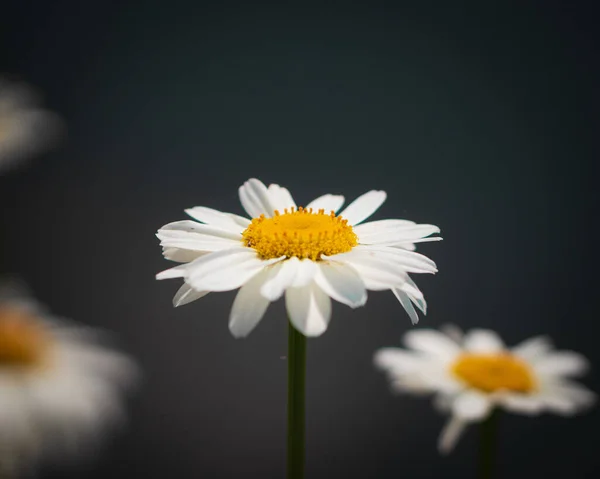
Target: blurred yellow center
{"points": [[493, 372], [23, 342], [301, 233]]}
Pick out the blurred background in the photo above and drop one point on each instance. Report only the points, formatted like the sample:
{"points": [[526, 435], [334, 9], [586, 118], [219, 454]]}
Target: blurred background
{"points": [[480, 119]]}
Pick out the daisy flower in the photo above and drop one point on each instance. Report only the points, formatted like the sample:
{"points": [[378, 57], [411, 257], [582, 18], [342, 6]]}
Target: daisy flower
{"points": [[59, 387], [475, 373], [25, 129], [309, 254]]}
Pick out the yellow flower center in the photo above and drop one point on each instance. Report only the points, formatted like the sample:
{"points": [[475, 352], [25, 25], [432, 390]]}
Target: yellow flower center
{"points": [[493, 372], [301, 233], [23, 342]]}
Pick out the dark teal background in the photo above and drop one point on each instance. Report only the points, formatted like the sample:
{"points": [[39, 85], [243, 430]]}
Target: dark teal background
{"points": [[482, 119]]}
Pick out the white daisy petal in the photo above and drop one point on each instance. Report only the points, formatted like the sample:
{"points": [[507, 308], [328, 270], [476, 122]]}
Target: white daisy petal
{"points": [[249, 306], [472, 406], [376, 273], [483, 341], [578, 393], [225, 270], [559, 404], [180, 255], [388, 235], [451, 434], [342, 283], [397, 360], [433, 343], [528, 404], [280, 198], [326, 202], [406, 304], [309, 309], [363, 207], [409, 261], [186, 294], [417, 299], [187, 229], [175, 272], [305, 272], [226, 221], [255, 199], [562, 363], [453, 332], [282, 277], [533, 348]]}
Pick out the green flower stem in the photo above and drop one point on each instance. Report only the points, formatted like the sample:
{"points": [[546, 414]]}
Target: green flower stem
{"points": [[296, 399], [488, 445]]}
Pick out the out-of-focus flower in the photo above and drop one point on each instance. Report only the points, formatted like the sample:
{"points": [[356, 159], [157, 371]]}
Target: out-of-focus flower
{"points": [[25, 128], [475, 373], [309, 254], [59, 386]]}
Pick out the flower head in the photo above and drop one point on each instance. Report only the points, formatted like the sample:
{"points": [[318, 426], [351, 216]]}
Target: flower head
{"points": [[475, 373], [59, 387], [309, 254], [25, 129]]}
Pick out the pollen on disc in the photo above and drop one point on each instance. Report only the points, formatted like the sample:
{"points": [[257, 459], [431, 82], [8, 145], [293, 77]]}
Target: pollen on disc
{"points": [[300, 233], [23, 340], [494, 372]]}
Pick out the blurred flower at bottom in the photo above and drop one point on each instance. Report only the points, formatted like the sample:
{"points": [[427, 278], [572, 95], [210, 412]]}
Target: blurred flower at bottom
{"points": [[25, 128], [474, 373], [60, 387]]}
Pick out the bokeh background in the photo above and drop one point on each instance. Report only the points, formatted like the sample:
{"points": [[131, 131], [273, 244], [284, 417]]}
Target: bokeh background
{"points": [[482, 119]]}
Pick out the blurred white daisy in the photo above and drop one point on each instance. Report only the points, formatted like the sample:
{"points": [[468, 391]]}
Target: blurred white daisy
{"points": [[475, 373], [59, 387], [25, 128], [309, 254]]}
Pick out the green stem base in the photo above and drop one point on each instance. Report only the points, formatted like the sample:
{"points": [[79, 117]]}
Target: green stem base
{"points": [[295, 405]]}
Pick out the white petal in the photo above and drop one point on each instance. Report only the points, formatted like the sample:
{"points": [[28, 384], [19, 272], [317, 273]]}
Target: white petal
{"points": [[305, 272], [483, 341], [417, 299], [376, 273], [453, 332], [187, 229], [472, 406], [409, 261], [559, 404], [433, 343], [406, 304], [186, 294], [562, 363], [575, 392], [342, 283], [309, 309], [197, 242], [175, 272], [255, 199], [280, 198], [226, 221], [397, 360], [326, 202], [180, 255], [451, 434], [392, 235], [533, 348], [363, 207], [249, 306], [530, 405], [282, 277], [224, 270]]}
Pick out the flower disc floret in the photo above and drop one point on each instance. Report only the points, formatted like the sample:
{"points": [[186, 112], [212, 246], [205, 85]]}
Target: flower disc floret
{"points": [[494, 372], [300, 233], [23, 342]]}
